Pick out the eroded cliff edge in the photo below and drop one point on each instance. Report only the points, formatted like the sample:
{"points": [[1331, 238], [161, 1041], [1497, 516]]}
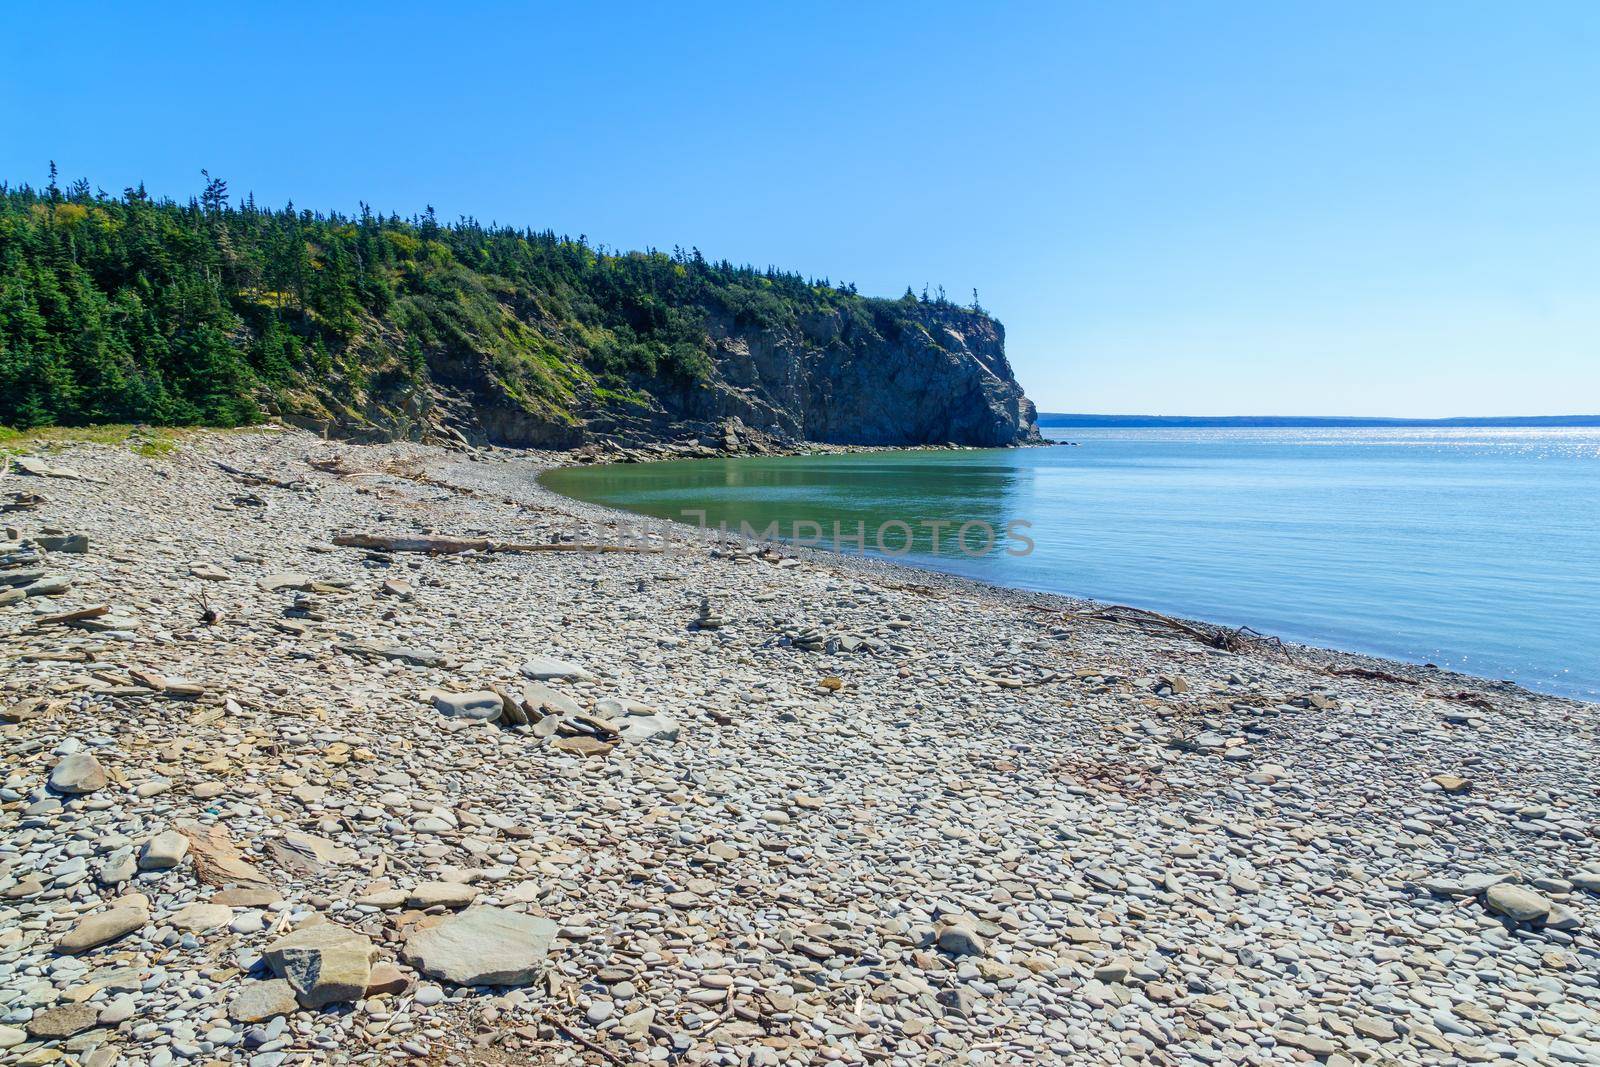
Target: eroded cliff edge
{"points": [[923, 376]]}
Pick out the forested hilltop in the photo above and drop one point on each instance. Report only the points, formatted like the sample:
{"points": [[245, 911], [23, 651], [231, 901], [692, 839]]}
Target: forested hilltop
{"points": [[135, 309]]}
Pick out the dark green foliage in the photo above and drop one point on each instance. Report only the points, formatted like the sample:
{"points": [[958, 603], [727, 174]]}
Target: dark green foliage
{"points": [[130, 309]]}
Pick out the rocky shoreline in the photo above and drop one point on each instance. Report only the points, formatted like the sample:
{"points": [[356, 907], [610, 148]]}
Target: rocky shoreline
{"points": [[318, 752], [730, 438]]}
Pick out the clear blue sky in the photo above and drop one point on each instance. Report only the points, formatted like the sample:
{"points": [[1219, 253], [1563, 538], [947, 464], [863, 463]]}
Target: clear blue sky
{"points": [[1189, 208]]}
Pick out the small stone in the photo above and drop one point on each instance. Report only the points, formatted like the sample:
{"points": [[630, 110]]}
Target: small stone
{"points": [[448, 894], [201, 917], [583, 745], [961, 940], [102, 928], [481, 704], [77, 773], [1516, 903], [118, 868], [636, 728], [30, 886], [1117, 970], [259, 1001], [548, 668], [1470, 885], [386, 899], [386, 978], [1320, 1047], [118, 1011], [163, 851]]}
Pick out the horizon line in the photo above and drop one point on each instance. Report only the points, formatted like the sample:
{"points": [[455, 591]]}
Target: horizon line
{"points": [[1321, 418]]}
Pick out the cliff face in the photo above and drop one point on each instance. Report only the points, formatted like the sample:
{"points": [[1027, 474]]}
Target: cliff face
{"points": [[913, 375], [932, 377]]}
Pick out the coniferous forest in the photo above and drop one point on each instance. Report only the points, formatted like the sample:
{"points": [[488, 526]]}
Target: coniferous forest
{"points": [[129, 308]]}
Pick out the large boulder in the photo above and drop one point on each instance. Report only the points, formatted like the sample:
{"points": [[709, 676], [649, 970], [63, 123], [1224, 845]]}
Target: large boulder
{"points": [[482, 946], [325, 963]]}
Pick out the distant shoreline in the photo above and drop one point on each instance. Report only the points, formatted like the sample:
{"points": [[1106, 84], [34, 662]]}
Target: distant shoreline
{"points": [[1050, 419]]}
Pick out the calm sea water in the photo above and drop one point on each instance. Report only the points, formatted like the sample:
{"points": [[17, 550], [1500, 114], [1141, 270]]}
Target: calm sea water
{"points": [[1476, 549]]}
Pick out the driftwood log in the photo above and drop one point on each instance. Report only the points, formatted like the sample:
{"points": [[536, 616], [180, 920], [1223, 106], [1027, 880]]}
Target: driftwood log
{"points": [[451, 545], [1220, 637], [257, 478]]}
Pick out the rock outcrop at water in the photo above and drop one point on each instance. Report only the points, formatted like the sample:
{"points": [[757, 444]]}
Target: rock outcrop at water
{"points": [[929, 376]]}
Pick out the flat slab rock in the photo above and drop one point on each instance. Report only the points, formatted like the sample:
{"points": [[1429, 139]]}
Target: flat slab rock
{"points": [[547, 668], [480, 704], [325, 963], [648, 728], [64, 1021], [40, 469], [370, 649], [449, 894], [482, 946], [273, 583], [259, 1001]]}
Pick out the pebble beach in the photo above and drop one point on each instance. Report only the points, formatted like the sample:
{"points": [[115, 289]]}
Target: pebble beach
{"points": [[463, 789]]}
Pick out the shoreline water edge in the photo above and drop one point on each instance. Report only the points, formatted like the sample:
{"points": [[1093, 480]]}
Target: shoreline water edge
{"points": [[725, 500], [372, 751]]}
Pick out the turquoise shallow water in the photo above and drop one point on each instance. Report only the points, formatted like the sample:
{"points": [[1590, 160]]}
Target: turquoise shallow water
{"points": [[1476, 549]]}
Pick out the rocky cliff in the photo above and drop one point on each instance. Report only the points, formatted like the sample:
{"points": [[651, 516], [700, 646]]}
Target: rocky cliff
{"points": [[921, 375]]}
